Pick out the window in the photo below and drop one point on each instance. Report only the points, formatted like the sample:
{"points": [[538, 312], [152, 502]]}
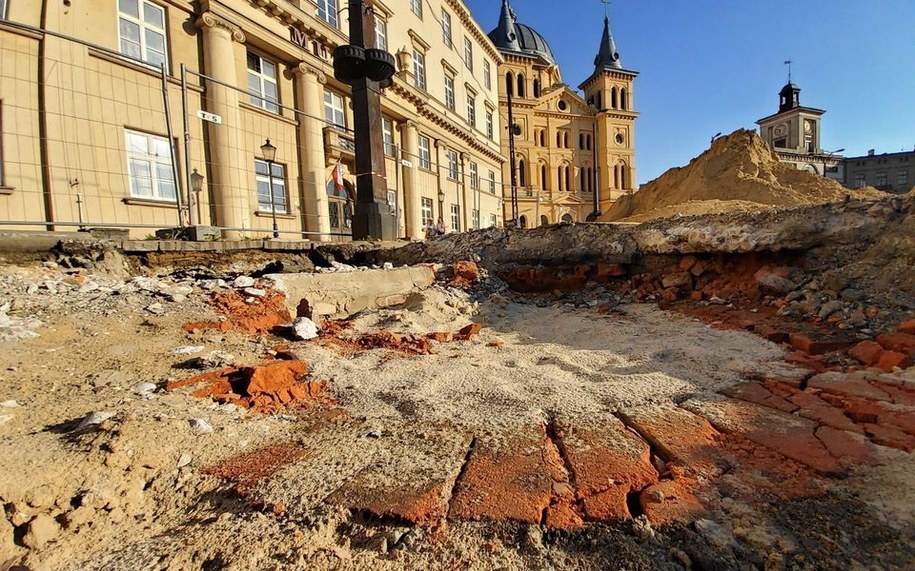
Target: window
{"points": [[449, 91], [492, 182], [381, 33], [474, 177], [453, 165], [334, 212], [859, 180], [2, 15], [262, 87], [446, 28], [387, 133], [493, 220], [149, 160], [487, 74], [333, 109], [881, 179], [468, 53], [327, 11], [424, 156], [2, 180], [426, 210], [263, 180], [455, 217], [417, 7], [475, 219], [902, 178], [419, 68], [141, 29], [489, 124], [472, 108]]}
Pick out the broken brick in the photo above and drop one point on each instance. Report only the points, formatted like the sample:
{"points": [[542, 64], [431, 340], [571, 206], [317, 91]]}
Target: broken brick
{"points": [[897, 341], [756, 393], [670, 502], [890, 360], [813, 407], [890, 437], [803, 342], [907, 327], [851, 449], [468, 332], [866, 352], [846, 385]]}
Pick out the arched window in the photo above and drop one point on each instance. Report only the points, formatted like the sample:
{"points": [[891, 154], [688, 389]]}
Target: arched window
{"points": [[558, 139], [600, 104], [567, 218], [581, 141], [616, 176], [543, 137], [509, 84], [624, 99], [536, 88], [613, 99], [521, 179], [522, 221], [544, 220], [544, 178], [520, 85], [568, 175], [560, 178], [565, 140]]}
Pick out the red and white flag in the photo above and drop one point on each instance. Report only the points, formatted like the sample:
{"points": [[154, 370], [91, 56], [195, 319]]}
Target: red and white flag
{"points": [[338, 176]]}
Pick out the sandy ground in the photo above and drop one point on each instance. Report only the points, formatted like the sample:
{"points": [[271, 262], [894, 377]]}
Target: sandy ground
{"points": [[135, 495]]}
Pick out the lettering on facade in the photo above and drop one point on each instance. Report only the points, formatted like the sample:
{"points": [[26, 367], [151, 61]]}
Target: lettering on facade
{"points": [[298, 37]]}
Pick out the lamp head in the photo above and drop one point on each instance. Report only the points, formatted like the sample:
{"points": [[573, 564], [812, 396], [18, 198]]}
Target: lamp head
{"points": [[268, 151]]}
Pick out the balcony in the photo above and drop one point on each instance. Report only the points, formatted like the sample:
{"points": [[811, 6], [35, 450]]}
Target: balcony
{"points": [[339, 143]]}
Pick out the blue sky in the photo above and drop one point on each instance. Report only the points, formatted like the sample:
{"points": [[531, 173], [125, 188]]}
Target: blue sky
{"points": [[717, 65]]}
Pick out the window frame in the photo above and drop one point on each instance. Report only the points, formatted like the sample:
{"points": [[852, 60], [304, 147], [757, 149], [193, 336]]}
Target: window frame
{"points": [[492, 181], [446, 29], [424, 146], [426, 206], [330, 17], [155, 181], [381, 33], [416, 6], [474, 176], [471, 108], [468, 54], [330, 110], [144, 26], [261, 101], [487, 74], [490, 124], [450, 102], [453, 172], [455, 218], [493, 220], [279, 180], [387, 135], [419, 68], [475, 218]]}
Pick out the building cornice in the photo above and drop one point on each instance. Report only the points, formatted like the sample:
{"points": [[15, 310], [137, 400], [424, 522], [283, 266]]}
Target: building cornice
{"points": [[475, 30], [795, 111]]}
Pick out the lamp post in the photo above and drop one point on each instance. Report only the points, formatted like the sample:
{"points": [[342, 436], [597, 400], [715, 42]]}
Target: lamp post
{"points": [[194, 198], [827, 156], [268, 151]]}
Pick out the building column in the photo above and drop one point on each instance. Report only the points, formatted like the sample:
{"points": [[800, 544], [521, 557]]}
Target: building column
{"points": [[229, 166], [412, 207], [465, 209], [309, 90]]}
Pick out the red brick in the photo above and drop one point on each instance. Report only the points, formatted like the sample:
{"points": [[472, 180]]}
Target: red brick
{"points": [[607, 270], [670, 502], [891, 437], [696, 296], [813, 362], [898, 394], [804, 343], [772, 334], [899, 342], [850, 449], [815, 408], [907, 327], [846, 385], [889, 360], [882, 413], [756, 393], [866, 352]]}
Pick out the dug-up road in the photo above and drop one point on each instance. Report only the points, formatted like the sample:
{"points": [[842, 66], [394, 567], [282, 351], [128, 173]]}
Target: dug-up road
{"points": [[555, 436]]}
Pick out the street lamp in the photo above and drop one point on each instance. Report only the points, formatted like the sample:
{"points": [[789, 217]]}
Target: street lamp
{"points": [[827, 156], [268, 151], [196, 187]]}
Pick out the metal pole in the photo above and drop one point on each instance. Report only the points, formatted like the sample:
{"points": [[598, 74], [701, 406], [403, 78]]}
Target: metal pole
{"points": [[276, 232], [187, 146], [171, 144]]}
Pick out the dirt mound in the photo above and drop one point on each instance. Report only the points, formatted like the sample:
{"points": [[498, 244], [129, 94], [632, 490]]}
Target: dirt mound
{"points": [[247, 313], [739, 172]]}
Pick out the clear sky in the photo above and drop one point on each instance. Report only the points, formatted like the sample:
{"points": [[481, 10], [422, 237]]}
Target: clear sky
{"points": [[709, 66]]}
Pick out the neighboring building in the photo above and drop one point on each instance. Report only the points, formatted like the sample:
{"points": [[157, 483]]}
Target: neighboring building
{"points": [[90, 143], [892, 172], [568, 146], [795, 135]]}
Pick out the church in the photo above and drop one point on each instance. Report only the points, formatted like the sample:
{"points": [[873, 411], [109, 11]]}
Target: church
{"points": [[570, 155]]}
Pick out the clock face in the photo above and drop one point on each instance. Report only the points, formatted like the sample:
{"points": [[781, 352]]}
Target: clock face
{"points": [[620, 138], [780, 130], [808, 126]]}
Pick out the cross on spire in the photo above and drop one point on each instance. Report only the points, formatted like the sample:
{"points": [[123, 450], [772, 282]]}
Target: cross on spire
{"points": [[606, 4], [788, 62]]}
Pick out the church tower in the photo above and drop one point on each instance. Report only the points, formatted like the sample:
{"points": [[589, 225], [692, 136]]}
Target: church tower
{"points": [[609, 94]]}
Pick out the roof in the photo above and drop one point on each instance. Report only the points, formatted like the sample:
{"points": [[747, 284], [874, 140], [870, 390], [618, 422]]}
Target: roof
{"points": [[510, 36]]}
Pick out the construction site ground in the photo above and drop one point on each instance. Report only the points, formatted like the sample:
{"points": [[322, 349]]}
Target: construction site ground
{"points": [[593, 418]]}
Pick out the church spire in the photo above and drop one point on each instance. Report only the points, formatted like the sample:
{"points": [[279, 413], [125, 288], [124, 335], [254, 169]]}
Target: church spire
{"points": [[505, 31], [607, 56]]}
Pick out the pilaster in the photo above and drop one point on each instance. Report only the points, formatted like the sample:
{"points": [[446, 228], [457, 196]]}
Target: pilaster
{"points": [[309, 89]]}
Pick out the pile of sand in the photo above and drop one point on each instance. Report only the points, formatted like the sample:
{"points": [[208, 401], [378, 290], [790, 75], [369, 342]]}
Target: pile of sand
{"points": [[739, 172]]}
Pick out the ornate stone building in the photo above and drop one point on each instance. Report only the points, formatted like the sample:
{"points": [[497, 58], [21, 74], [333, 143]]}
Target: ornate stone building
{"points": [[568, 146], [84, 136], [795, 135]]}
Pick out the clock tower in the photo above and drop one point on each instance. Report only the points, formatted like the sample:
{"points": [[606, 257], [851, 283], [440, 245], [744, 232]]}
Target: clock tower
{"points": [[794, 134]]}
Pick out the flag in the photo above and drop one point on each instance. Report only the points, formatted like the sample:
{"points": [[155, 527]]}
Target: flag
{"points": [[338, 176]]}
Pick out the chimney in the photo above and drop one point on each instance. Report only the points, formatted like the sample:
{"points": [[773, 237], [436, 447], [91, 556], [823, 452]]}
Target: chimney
{"points": [[870, 152]]}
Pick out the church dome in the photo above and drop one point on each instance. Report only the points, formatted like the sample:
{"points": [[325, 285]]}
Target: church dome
{"points": [[511, 36]]}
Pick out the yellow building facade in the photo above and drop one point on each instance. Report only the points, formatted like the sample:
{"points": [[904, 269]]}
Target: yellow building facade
{"points": [[85, 137], [574, 154]]}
